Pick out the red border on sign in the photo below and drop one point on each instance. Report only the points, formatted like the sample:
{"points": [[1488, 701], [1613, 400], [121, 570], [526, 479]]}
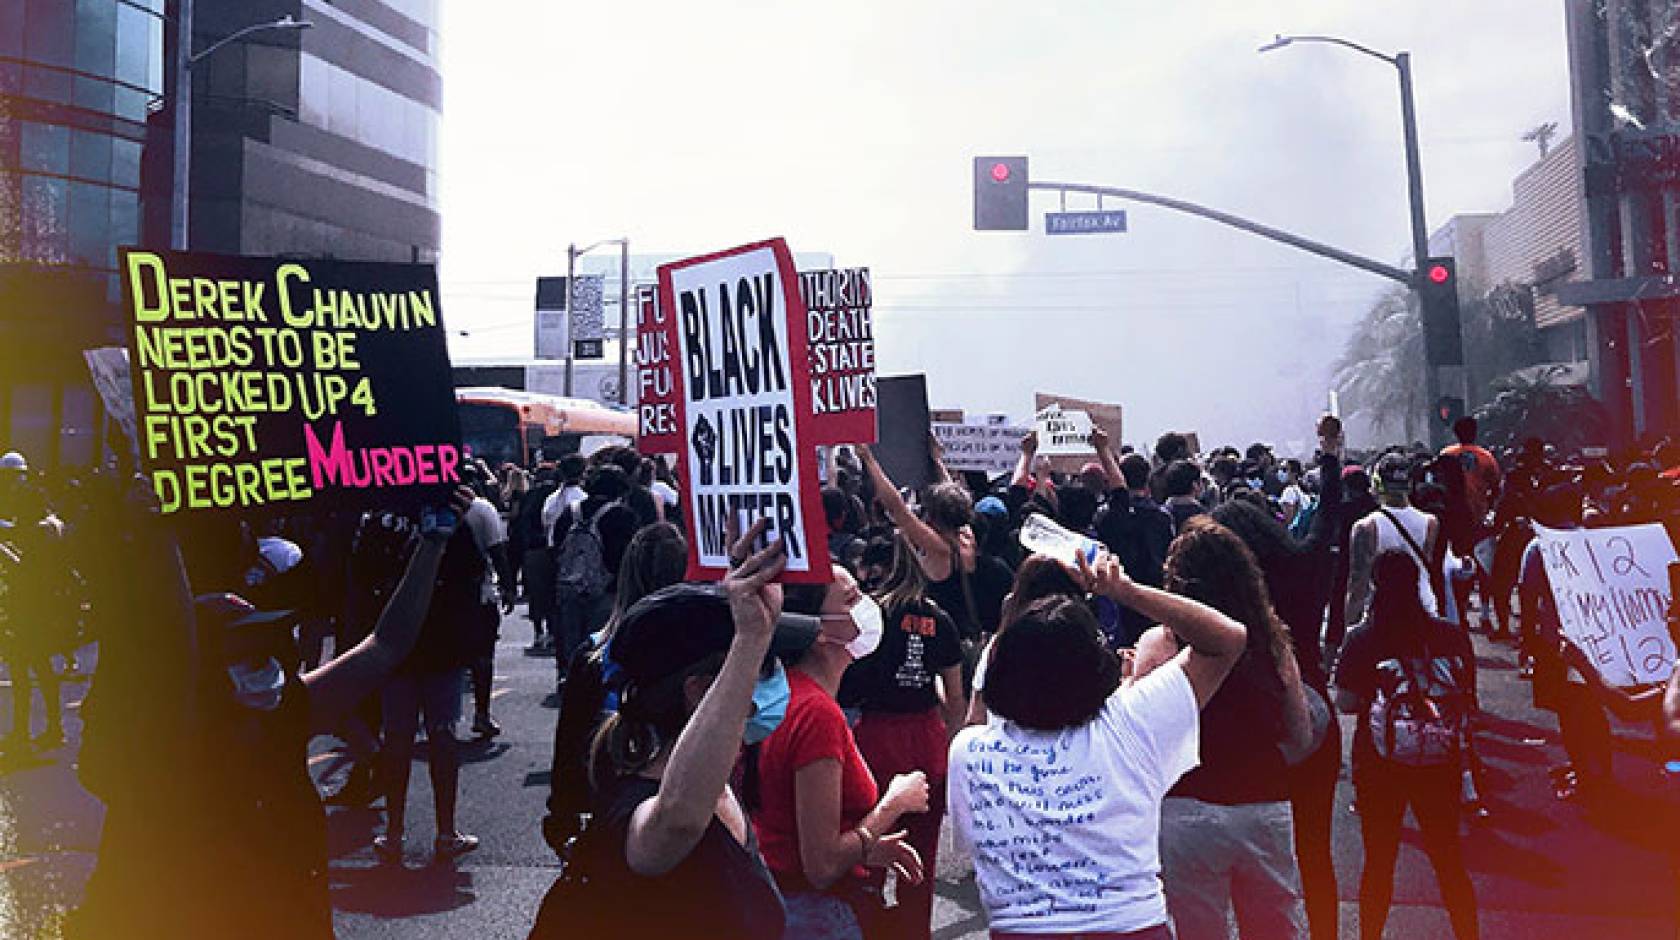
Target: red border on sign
{"points": [[799, 368]]}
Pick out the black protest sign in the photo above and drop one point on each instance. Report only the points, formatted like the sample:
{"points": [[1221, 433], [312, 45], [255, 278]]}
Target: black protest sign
{"points": [[273, 383], [902, 415]]}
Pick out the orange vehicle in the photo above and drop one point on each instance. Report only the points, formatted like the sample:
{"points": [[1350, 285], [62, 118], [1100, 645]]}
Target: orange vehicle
{"points": [[503, 425]]}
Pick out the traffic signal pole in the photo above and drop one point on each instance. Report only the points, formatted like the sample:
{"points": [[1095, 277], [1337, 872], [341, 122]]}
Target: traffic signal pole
{"points": [[1370, 265]]}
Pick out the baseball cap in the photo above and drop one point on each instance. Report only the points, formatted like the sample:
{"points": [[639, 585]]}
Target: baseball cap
{"points": [[675, 627], [232, 612], [991, 506], [231, 627]]}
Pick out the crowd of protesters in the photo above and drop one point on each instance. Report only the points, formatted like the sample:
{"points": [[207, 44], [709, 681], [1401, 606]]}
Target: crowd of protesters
{"points": [[1134, 740]]}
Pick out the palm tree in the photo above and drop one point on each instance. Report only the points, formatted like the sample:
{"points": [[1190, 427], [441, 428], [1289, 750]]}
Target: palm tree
{"points": [[1380, 376]]}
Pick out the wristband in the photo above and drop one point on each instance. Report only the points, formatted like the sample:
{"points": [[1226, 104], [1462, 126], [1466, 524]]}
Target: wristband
{"points": [[866, 841]]}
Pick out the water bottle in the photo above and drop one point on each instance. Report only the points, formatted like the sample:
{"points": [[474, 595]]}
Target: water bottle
{"points": [[1041, 536]]}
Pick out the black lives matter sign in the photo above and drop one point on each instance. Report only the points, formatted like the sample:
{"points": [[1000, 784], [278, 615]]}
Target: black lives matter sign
{"points": [[727, 341], [272, 383]]}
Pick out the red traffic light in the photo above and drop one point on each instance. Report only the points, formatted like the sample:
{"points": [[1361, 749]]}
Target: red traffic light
{"points": [[1438, 273], [1000, 172]]}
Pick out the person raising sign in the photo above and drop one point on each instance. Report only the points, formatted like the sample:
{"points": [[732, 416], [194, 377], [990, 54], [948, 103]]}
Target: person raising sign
{"points": [[942, 539]]}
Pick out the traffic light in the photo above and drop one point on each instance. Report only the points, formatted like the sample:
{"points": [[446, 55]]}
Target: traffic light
{"points": [[1000, 194], [1449, 408], [1437, 287]]}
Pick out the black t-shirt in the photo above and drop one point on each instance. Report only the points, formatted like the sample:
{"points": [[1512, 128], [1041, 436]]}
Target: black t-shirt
{"points": [[1241, 761], [1183, 512], [918, 642], [722, 888], [952, 599], [1356, 669]]}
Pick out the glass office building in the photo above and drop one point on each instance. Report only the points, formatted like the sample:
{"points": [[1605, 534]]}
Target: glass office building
{"points": [[78, 80], [319, 143]]}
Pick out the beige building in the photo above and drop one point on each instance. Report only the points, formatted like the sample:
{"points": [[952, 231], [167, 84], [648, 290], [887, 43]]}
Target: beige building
{"points": [[1518, 258]]}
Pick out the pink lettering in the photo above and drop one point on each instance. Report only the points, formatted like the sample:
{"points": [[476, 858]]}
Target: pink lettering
{"points": [[449, 462]]}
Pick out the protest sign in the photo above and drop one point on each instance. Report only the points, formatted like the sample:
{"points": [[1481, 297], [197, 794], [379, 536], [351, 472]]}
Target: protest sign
{"points": [[1103, 415], [902, 450], [262, 382], [108, 365], [984, 448], [656, 378], [1063, 433], [1612, 594], [840, 337], [734, 356]]}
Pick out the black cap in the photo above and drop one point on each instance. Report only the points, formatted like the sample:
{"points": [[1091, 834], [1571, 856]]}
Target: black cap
{"points": [[675, 627]]}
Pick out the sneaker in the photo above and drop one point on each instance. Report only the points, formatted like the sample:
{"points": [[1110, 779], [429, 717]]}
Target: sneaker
{"points": [[388, 850], [485, 727], [453, 846]]}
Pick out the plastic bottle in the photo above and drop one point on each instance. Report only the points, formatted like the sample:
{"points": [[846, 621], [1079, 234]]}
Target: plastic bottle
{"points": [[1042, 536]]}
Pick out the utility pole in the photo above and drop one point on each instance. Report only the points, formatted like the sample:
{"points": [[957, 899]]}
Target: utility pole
{"points": [[571, 312]]}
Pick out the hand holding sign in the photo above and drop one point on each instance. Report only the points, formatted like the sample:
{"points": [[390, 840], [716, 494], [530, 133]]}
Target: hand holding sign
{"points": [[1612, 595]]}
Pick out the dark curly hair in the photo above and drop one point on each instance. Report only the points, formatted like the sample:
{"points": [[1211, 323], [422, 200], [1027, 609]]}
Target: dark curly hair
{"points": [[1211, 564]]}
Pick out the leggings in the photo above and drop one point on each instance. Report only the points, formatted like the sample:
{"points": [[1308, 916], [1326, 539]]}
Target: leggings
{"points": [[1385, 790]]}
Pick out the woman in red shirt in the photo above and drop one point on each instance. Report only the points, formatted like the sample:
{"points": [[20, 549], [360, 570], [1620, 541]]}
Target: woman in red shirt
{"points": [[819, 818]]}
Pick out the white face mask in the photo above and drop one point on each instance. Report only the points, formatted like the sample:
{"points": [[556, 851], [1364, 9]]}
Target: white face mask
{"points": [[866, 614], [258, 688]]}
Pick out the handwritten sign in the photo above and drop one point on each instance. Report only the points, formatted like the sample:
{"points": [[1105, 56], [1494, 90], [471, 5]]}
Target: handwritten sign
{"points": [[262, 382], [1103, 415], [734, 356], [1063, 433], [987, 448], [840, 337], [1611, 589]]}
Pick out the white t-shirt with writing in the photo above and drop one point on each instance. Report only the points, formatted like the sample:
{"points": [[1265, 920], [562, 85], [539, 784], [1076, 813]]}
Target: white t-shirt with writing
{"points": [[1065, 826]]}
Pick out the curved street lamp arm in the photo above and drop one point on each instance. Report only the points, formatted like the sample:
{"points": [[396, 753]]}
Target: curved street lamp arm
{"points": [[1334, 40]]}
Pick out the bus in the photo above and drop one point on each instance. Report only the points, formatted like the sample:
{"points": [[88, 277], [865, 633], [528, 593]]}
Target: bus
{"points": [[503, 425]]}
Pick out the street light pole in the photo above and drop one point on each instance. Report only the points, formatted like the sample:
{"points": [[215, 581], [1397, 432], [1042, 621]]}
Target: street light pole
{"points": [[1402, 62], [183, 125], [624, 321], [571, 311], [185, 59], [1414, 167], [573, 252]]}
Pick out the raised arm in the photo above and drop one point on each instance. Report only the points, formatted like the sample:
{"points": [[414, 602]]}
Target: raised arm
{"points": [[1215, 642], [336, 687], [1023, 464], [936, 454], [932, 551], [1112, 477], [666, 828]]}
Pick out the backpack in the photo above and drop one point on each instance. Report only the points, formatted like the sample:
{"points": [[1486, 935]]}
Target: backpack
{"points": [[1418, 715], [581, 570]]}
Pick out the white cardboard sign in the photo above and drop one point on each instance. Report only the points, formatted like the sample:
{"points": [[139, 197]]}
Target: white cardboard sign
{"points": [[1063, 433], [1611, 588]]}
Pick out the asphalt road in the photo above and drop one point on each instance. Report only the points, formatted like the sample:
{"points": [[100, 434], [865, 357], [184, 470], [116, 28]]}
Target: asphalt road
{"points": [[1541, 868]]}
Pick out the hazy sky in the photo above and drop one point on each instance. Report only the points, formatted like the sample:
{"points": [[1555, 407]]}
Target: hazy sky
{"points": [[849, 128]]}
